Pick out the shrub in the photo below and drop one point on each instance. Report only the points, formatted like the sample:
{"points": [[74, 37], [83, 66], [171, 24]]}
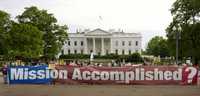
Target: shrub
{"points": [[75, 56], [135, 57]]}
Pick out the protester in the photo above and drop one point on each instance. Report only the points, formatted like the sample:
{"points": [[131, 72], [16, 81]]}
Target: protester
{"points": [[100, 65], [52, 67], [4, 72]]}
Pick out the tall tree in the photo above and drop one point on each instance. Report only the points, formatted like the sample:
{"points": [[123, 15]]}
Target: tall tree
{"points": [[25, 41], [5, 25], [186, 25], [157, 46], [54, 34]]}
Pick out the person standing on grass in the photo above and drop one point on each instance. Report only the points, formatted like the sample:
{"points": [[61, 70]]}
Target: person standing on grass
{"points": [[4, 71]]}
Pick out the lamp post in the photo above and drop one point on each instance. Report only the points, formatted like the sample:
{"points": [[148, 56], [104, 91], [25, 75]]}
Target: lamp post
{"points": [[177, 37], [177, 44]]}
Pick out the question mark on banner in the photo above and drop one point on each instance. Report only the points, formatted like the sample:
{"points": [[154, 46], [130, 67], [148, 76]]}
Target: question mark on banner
{"points": [[193, 72]]}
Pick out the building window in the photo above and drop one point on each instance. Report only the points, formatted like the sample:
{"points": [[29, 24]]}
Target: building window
{"points": [[69, 43], [82, 51], [129, 43], [136, 43], [81, 43], [75, 51], [123, 43], [129, 52], [75, 43], [116, 43], [122, 52], [116, 52], [69, 52]]}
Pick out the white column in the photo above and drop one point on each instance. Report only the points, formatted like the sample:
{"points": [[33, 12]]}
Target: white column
{"points": [[94, 46], [102, 46], [85, 46], [111, 45]]}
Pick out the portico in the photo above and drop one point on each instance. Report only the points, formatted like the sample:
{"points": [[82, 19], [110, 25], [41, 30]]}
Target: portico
{"points": [[97, 45], [102, 42]]}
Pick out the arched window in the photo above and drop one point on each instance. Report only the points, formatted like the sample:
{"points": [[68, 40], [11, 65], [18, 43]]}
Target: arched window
{"points": [[75, 43], [81, 43], [136, 43], [69, 43], [123, 43]]}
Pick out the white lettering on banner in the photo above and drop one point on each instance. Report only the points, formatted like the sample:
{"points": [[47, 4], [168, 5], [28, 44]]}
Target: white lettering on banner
{"points": [[104, 75], [41, 74], [168, 75], [193, 72], [149, 75], [124, 76], [95, 75], [76, 74], [62, 74], [137, 71], [16, 74], [25, 73], [54, 74], [86, 75], [116, 75], [142, 74], [32, 74], [127, 76], [158, 75], [177, 75]]}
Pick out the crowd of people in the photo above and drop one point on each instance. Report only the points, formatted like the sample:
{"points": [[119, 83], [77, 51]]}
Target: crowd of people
{"points": [[97, 64]]}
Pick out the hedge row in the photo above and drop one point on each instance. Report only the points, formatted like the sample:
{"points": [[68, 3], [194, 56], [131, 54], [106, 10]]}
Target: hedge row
{"points": [[135, 57]]}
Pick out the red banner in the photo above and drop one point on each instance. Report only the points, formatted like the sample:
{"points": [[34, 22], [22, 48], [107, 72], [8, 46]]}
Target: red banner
{"points": [[143, 75]]}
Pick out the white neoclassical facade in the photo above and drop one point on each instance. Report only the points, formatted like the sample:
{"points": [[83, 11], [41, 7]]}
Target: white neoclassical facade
{"points": [[102, 42]]}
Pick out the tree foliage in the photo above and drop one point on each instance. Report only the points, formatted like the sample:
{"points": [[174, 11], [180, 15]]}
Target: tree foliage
{"points": [[34, 33], [157, 46], [5, 24], [54, 35], [186, 23], [25, 41]]}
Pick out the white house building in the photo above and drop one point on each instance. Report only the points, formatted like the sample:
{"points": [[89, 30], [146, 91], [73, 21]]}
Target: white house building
{"points": [[102, 42]]}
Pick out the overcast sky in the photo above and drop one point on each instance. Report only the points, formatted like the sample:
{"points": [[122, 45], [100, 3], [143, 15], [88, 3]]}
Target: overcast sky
{"points": [[149, 17]]}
